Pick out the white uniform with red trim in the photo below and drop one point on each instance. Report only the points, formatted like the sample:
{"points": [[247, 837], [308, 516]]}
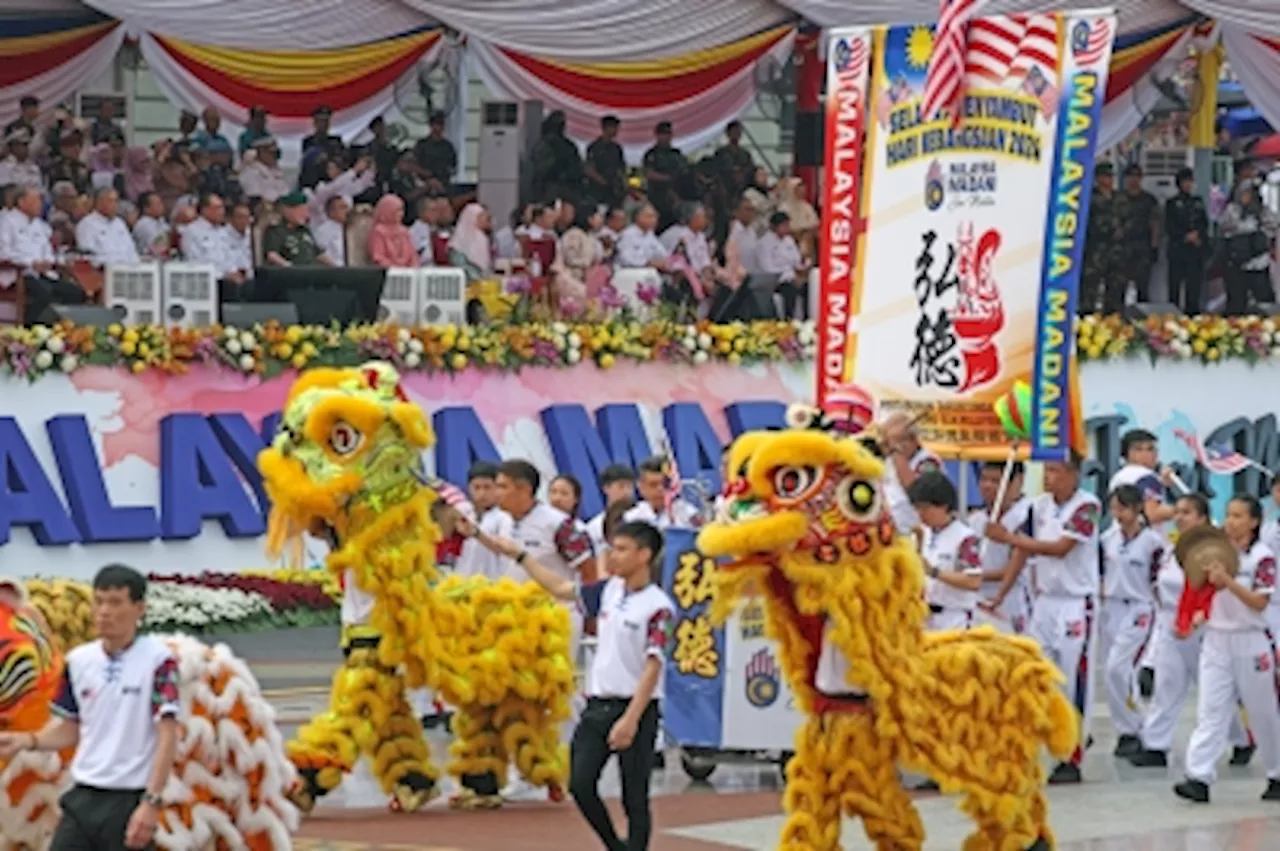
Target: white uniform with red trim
{"points": [[1177, 664], [1130, 566], [1064, 615], [1238, 660], [951, 549], [1015, 611], [904, 515]]}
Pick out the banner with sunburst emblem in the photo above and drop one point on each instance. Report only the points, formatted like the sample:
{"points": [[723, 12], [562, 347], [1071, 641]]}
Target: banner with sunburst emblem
{"points": [[964, 278]]}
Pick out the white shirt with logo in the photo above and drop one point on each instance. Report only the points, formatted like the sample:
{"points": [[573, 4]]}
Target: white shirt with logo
{"points": [[680, 514], [1076, 574], [117, 700], [952, 549], [1143, 478], [554, 539], [995, 555], [106, 240], [1257, 573], [1131, 565], [478, 560], [632, 627], [205, 242], [904, 516]]}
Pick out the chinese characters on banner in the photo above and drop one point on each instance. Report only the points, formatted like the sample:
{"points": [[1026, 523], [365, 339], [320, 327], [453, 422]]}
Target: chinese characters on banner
{"points": [[695, 664], [964, 280]]}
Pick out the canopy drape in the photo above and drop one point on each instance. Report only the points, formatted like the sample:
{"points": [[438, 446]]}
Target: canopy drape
{"points": [[1132, 90], [52, 57], [698, 92], [1256, 61]]}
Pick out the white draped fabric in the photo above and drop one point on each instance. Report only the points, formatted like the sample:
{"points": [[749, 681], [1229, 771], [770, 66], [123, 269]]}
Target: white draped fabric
{"points": [[57, 83], [266, 24], [1133, 14], [606, 30], [697, 120], [1260, 16], [1257, 64], [187, 91]]}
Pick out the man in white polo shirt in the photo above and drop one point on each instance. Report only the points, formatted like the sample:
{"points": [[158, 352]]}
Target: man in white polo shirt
{"points": [[655, 486], [118, 708], [622, 714]]}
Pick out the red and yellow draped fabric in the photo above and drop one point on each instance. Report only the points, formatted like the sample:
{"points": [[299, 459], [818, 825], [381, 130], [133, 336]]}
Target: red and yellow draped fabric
{"points": [[1134, 54], [52, 57], [697, 91], [292, 83]]}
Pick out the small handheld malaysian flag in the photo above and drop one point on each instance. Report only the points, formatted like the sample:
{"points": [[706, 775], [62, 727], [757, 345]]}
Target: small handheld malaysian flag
{"points": [[1219, 459]]}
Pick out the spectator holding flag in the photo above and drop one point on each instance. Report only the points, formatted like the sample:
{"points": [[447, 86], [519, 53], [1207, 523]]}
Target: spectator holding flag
{"points": [[660, 502]]}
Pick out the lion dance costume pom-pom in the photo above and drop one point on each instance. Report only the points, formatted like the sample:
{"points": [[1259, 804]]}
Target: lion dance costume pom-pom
{"points": [[230, 781], [347, 465], [806, 524]]}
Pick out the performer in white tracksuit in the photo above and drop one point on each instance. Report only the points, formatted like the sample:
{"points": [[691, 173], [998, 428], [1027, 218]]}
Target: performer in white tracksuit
{"points": [[1131, 556], [950, 552], [1063, 552], [1238, 659], [1177, 659], [1015, 515]]}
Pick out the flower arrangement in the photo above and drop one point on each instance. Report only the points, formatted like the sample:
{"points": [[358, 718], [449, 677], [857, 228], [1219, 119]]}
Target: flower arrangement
{"points": [[1209, 339]]}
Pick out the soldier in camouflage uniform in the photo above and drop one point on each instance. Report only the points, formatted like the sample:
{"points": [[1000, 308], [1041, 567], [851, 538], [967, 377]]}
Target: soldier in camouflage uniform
{"points": [[1141, 232], [1104, 279]]}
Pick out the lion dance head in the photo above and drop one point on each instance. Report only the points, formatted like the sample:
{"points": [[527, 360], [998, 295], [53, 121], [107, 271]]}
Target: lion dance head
{"points": [[804, 520]]}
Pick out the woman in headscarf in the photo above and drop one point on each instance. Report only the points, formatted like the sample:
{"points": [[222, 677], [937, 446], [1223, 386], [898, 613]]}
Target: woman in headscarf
{"points": [[390, 244], [758, 193], [579, 265], [1248, 228], [469, 247], [789, 198]]}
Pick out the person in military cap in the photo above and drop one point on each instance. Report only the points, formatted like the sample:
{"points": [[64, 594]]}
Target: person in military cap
{"points": [[1141, 232], [1104, 275], [1186, 221], [18, 168], [290, 243], [665, 168], [435, 157]]}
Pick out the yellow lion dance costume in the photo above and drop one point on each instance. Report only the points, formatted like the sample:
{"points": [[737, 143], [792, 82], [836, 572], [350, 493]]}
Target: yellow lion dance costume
{"points": [[230, 782], [346, 464], [806, 525]]}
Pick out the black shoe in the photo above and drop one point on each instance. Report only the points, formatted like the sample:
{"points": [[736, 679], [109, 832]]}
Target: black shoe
{"points": [[1242, 756], [1041, 844], [1128, 745], [1065, 773], [1192, 790], [927, 786], [1273, 791], [1146, 683], [1088, 743], [1149, 759]]}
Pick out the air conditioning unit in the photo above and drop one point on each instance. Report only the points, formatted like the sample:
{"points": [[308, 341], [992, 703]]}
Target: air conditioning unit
{"points": [[133, 291], [190, 295], [400, 295], [442, 296], [508, 132]]}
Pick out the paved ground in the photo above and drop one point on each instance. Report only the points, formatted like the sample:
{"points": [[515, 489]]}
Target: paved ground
{"points": [[1119, 808]]}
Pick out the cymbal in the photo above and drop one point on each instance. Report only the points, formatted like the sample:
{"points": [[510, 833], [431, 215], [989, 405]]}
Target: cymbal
{"points": [[1199, 547]]}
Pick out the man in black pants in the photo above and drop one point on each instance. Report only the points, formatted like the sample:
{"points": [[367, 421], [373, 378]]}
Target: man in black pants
{"points": [[118, 707], [625, 682]]}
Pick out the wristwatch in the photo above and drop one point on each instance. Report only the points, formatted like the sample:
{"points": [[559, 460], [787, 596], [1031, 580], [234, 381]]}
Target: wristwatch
{"points": [[522, 557], [153, 800], [933, 571]]}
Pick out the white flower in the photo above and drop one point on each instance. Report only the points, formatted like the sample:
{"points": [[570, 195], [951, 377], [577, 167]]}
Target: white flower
{"points": [[173, 604], [560, 341], [415, 346], [246, 363], [403, 335], [807, 334], [69, 363], [559, 329], [573, 356], [247, 341], [1269, 326], [700, 357], [230, 333], [42, 332], [575, 341], [704, 340], [55, 345], [413, 360], [44, 359], [689, 343], [233, 347]]}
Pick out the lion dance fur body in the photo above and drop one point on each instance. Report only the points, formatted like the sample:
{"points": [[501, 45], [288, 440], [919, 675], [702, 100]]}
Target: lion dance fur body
{"points": [[805, 525], [346, 464], [230, 782]]}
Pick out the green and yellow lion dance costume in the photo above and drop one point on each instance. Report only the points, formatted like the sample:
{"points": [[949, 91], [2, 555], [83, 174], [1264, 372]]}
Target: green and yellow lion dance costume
{"points": [[805, 524], [347, 464]]}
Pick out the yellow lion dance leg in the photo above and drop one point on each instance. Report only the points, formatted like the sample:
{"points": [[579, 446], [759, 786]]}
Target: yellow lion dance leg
{"points": [[813, 814], [401, 758], [995, 834], [479, 759], [531, 736], [864, 769]]}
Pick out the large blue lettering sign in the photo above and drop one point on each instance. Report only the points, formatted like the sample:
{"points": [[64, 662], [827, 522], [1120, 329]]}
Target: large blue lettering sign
{"points": [[207, 461]]}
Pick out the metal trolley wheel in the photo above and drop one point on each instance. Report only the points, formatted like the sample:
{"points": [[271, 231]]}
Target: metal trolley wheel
{"points": [[698, 763]]}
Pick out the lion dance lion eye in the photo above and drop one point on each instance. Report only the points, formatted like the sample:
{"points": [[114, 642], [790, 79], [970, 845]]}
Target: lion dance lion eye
{"points": [[859, 499], [791, 482], [344, 438]]}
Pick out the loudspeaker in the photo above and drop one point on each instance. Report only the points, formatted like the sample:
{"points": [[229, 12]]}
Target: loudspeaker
{"points": [[246, 314], [84, 315], [1146, 309]]}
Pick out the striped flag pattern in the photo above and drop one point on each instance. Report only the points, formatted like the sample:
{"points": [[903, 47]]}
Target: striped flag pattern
{"points": [[945, 78], [1095, 45], [850, 407], [1220, 460]]}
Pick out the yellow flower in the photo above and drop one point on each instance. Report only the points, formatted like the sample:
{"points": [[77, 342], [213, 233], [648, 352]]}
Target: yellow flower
{"points": [[1212, 354], [309, 349], [131, 335], [1198, 346], [298, 361], [284, 350], [143, 350], [115, 329], [293, 334], [459, 360], [128, 348], [138, 366], [734, 358], [463, 344], [606, 360]]}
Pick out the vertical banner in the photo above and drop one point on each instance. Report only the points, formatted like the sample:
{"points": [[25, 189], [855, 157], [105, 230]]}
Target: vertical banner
{"points": [[848, 59], [695, 664], [969, 225], [759, 708], [1057, 424]]}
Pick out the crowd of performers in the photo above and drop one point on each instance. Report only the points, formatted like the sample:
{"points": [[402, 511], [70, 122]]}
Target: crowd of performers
{"points": [[1046, 569]]}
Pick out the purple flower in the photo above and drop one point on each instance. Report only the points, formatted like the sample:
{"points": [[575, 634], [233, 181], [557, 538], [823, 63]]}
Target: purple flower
{"points": [[647, 294], [519, 285], [611, 299], [570, 309], [544, 350]]}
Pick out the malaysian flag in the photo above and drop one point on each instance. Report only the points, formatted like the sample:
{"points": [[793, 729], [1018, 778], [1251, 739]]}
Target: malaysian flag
{"points": [[944, 81], [850, 407], [1090, 43], [1015, 52], [1218, 459], [673, 481]]}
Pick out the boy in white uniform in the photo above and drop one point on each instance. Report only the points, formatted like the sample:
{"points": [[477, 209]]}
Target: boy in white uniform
{"points": [[1064, 615], [618, 484], [1238, 659], [997, 558], [950, 552], [1131, 556], [905, 461]]}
